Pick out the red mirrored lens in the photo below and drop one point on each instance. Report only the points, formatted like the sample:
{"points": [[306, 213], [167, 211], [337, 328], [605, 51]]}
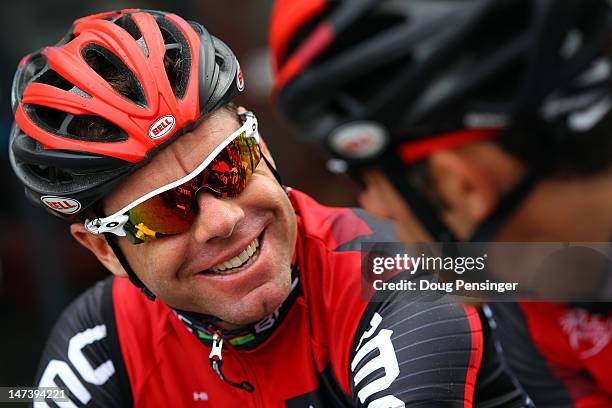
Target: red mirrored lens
{"points": [[173, 211]]}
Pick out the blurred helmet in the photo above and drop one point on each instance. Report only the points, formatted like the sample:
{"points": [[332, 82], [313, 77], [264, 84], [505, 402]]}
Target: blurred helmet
{"points": [[118, 87], [360, 76]]}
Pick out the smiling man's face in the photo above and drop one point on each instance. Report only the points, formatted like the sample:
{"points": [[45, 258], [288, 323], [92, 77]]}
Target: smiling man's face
{"points": [[178, 268]]}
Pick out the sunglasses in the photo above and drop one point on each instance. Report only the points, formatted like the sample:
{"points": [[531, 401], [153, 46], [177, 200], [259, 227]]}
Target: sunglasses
{"points": [[172, 209]]}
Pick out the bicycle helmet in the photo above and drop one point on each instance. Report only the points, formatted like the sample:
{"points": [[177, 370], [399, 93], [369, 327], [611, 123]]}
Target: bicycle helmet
{"points": [[362, 76], [77, 133], [385, 82]]}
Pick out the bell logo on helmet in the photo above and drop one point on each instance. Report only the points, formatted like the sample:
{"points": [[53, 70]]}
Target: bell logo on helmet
{"points": [[63, 205], [359, 140], [162, 126], [239, 78]]}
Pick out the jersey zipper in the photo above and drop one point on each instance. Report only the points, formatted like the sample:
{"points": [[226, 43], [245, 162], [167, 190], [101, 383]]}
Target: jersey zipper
{"points": [[216, 361]]}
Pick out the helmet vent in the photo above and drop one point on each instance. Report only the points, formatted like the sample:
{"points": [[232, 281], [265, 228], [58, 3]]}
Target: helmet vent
{"points": [[80, 127], [127, 23], [50, 77], [33, 68], [114, 71], [50, 174], [80, 92], [96, 128], [69, 36], [177, 52]]}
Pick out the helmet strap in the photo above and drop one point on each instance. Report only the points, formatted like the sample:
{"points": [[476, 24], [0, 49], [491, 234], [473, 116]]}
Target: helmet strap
{"points": [[395, 170], [272, 168], [488, 230], [112, 242]]}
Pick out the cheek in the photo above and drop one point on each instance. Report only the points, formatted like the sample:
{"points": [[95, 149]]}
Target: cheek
{"points": [[155, 262], [268, 197], [264, 192]]}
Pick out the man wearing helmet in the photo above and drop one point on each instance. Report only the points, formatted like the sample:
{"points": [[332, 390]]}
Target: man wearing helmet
{"points": [[126, 129], [471, 121]]}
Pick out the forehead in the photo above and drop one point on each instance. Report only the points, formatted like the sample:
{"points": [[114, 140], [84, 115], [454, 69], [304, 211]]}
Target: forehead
{"points": [[176, 160]]}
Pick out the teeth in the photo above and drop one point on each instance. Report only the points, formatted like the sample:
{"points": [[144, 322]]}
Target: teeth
{"points": [[238, 260], [251, 249]]}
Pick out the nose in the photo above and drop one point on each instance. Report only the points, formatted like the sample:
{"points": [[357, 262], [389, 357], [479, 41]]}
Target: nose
{"points": [[217, 217]]}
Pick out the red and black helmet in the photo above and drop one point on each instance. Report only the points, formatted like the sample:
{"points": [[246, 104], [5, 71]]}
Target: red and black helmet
{"points": [[62, 91], [388, 82], [410, 70]]}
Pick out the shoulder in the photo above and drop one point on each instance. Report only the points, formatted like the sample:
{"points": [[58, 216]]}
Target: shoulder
{"points": [[413, 349], [329, 256], [329, 250], [339, 228], [83, 353], [134, 312]]}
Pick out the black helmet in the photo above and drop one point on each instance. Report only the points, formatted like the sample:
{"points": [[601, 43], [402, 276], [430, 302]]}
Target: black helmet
{"points": [[399, 70]]}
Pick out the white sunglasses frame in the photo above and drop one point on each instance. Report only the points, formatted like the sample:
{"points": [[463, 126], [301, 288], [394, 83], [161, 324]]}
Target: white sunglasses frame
{"points": [[114, 223]]}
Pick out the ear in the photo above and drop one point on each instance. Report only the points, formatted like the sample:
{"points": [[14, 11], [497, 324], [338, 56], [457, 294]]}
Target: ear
{"points": [[100, 248], [467, 190]]}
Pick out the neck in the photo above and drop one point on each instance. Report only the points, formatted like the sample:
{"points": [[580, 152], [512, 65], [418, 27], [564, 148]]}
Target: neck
{"points": [[564, 210]]}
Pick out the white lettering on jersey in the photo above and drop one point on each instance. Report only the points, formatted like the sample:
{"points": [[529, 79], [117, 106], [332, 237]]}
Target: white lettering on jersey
{"points": [[557, 105], [57, 368], [267, 322], [385, 360], [75, 353], [388, 401], [62, 370], [376, 319], [588, 334]]}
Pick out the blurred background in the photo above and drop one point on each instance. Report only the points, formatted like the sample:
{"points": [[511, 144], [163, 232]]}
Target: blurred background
{"points": [[42, 269]]}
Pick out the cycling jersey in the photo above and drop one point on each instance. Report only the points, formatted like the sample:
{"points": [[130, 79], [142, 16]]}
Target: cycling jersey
{"points": [[562, 355], [325, 346]]}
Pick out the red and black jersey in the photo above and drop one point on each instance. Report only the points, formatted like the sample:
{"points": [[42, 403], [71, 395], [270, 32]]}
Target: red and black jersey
{"points": [[325, 346], [561, 354]]}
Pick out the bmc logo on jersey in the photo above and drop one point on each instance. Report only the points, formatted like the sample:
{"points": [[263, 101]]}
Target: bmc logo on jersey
{"points": [[386, 362], [63, 205], [162, 126], [82, 371]]}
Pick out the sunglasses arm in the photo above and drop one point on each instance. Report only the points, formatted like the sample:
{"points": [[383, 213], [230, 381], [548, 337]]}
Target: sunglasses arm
{"points": [[113, 224], [249, 123]]}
